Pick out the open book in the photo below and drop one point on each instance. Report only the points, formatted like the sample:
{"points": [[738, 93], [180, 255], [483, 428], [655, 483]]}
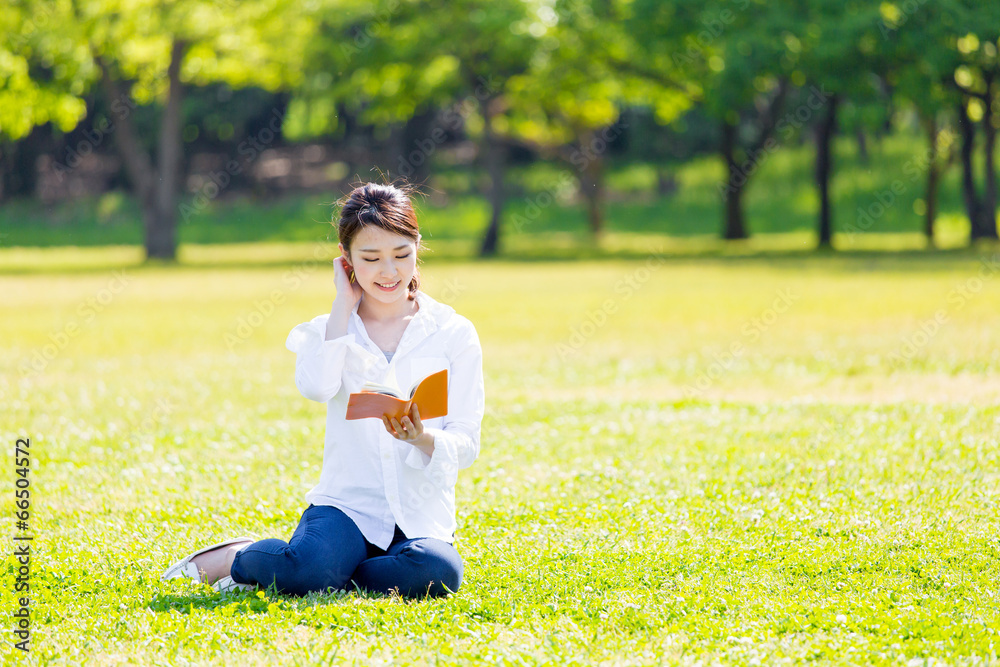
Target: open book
{"points": [[375, 400]]}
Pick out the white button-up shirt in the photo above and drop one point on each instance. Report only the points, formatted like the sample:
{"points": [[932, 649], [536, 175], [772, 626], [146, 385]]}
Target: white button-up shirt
{"points": [[375, 479]]}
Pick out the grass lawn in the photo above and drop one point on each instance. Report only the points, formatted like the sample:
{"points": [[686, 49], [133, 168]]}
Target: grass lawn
{"points": [[737, 459]]}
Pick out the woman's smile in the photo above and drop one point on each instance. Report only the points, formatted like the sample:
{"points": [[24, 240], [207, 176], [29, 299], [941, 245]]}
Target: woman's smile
{"points": [[388, 287]]}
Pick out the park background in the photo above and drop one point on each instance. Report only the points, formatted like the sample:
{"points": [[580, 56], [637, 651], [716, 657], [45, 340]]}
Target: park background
{"points": [[733, 263]]}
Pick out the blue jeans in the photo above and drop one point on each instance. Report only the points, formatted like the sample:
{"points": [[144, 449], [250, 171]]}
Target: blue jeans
{"points": [[328, 551]]}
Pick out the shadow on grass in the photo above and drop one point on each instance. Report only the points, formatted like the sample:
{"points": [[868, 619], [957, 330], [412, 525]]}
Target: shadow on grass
{"points": [[734, 254], [250, 601]]}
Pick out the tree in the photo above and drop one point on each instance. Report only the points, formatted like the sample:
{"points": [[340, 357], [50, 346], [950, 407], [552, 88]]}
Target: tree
{"points": [[37, 88], [839, 55], [955, 49], [144, 52], [394, 61], [920, 61], [33, 92], [569, 103], [737, 58], [977, 78]]}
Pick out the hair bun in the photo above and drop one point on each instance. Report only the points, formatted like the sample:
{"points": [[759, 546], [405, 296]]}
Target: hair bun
{"points": [[376, 196]]}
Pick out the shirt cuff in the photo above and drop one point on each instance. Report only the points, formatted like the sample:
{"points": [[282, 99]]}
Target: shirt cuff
{"points": [[441, 467], [417, 459], [320, 364]]}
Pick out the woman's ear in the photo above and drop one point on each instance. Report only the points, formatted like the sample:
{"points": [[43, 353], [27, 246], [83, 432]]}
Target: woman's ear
{"points": [[343, 253]]}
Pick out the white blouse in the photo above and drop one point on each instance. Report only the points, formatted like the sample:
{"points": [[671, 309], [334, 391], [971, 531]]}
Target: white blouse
{"points": [[375, 479]]}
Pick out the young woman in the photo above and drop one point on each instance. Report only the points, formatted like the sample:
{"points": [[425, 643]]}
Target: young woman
{"points": [[383, 514]]}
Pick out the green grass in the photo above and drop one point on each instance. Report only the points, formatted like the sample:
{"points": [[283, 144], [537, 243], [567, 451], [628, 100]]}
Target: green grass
{"points": [[781, 204], [643, 495]]}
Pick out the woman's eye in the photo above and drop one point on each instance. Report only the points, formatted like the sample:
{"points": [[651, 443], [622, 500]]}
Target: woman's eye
{"points": [[375, 260]]}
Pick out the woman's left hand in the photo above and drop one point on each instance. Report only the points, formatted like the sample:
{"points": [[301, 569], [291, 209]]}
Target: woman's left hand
{"points": [[410, 430]]}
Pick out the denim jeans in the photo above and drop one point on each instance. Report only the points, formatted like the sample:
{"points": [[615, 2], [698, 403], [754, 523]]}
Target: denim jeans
{"points": [[327, 550]]}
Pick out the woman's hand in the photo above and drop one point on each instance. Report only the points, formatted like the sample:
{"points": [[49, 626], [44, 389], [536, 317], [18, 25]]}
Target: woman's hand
{"points": [[411, 430], [346, 290]]}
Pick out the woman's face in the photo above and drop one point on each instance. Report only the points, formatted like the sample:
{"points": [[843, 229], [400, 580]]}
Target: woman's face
{"points": [[381, 258]]}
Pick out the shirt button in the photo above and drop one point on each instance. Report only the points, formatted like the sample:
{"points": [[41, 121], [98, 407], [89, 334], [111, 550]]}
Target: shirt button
{"points": [[386, 456]]}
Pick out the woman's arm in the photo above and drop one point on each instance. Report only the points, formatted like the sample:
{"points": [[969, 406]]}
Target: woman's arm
{"points": [[456, 444], [340, 315], [321, 347]]}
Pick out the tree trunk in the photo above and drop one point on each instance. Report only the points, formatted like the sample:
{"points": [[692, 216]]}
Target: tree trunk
{"points": [[666, 182], [735, 226], [988, 211], [933, 178], [824, 168], [890, 108], [862, 140], [591, 178], [161, 235], [18, 166], [969, 194], [736, 175], [495, 162], [155, 187], [732, 189], [138, 165]]}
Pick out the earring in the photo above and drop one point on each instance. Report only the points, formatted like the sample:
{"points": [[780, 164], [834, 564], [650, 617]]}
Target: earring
{"points": [[352, 275]]}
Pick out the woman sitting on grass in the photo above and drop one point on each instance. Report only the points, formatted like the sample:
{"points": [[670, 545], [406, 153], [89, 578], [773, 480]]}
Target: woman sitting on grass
{"points": [[383, 514]]}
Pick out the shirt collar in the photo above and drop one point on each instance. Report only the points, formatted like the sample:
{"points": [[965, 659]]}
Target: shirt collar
{"points": [[430, 316]]}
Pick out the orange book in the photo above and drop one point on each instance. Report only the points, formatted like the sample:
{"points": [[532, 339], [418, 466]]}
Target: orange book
{"points": [[375, 400]]}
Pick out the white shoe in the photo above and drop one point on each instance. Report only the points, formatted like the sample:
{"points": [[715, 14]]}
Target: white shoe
{"points": [[185, 568], [227, 585]]}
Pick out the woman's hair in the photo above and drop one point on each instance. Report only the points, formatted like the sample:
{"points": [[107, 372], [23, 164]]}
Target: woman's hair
{"points": [[382, 205]]}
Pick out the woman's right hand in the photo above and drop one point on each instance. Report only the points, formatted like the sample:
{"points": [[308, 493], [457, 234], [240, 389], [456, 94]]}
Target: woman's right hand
{"points": [[347, 292]]}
